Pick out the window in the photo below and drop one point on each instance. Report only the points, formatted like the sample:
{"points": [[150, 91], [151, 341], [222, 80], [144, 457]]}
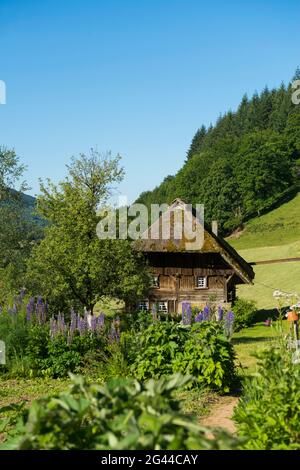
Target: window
{"points": [[163, 306], [144, 305], [155, 281], [201, 282]]}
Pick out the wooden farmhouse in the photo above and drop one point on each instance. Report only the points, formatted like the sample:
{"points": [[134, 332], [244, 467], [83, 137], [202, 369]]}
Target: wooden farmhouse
{"points": [[207, 271]]}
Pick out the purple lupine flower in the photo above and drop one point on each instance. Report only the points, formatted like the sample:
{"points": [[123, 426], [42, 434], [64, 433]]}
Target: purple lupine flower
{"points": [[183, 307], [30, 309], [206, 313], [199, 317], [73, 322], [186, 313], [230, 316], [82, 326], [61, 326], [22, 293], [100, 321], [20, 297], [114, 334], [229, 320], [78, 320], [220, 313]]}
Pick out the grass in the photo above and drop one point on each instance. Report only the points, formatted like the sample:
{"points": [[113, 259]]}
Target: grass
{"points": [[275, 235], [253, 340], [281, 226], [268, 278], [196, 402]]}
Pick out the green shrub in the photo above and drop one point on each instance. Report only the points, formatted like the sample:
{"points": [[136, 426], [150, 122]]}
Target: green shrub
{"points": [[13, 330], [123, 414], [208, 356], [155, 349], [136, 320], [200, 350], [268, 415], [57, 356], [244, 313]]}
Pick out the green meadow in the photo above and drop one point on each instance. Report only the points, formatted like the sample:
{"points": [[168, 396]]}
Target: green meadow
{"points": [[272, 236]]}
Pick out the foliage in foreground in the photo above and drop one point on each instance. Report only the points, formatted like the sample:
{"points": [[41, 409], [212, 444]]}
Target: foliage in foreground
{"points": [[201, 350], [268, 415], [123, 414]]}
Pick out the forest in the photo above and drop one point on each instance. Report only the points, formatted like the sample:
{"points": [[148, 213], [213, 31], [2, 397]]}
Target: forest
{"points": [[244, 164]]}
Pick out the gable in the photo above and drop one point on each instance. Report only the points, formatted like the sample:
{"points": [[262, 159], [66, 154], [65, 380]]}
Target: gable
{"points": [[157, 239]]}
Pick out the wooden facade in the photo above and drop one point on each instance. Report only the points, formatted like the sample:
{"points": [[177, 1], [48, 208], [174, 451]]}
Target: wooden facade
{"points": [[205, 273]]}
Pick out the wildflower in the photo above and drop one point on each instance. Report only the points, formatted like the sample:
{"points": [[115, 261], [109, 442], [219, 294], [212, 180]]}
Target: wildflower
{"points": [[186, 313], [206, 313], [100, 321], [40, 310], [220, 313], [73, 323], [20, 297], [93, 325], [183, 307], [199, 317], [29, 309], [114, 334], [229, 320], [82, 326]]}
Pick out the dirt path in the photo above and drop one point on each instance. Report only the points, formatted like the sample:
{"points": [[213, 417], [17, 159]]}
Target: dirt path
{"points": [[220, 414]]}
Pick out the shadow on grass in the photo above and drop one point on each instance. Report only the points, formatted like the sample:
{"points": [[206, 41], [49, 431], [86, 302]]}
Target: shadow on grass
{"points": [[249, 339], [264, 314]]}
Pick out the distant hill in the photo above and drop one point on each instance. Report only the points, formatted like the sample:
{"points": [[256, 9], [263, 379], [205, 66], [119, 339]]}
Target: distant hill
{"points": [[242, 164], [30, 206], [30, 201]]}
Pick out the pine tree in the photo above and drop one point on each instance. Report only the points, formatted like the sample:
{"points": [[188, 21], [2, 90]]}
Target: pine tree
{"points": [[197, 142]]}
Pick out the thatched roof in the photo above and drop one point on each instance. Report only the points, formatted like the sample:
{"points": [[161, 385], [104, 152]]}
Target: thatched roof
{"points": [[152, 240]]}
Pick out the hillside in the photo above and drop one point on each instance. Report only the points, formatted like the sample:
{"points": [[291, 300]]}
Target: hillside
{"points": [[275, 235], [29, 200], [281, 226], [243, 164]]}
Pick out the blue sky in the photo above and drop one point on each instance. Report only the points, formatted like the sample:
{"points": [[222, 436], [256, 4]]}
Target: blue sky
{"points": [[134, 77]]}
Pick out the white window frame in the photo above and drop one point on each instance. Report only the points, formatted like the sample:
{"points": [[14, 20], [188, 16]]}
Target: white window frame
{"points": [[144, 305], [201, 284], [162, 306]]}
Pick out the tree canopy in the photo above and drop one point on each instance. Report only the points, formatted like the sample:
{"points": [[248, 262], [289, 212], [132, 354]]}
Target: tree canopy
{"points": [[71, 266], [242, 164]]}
